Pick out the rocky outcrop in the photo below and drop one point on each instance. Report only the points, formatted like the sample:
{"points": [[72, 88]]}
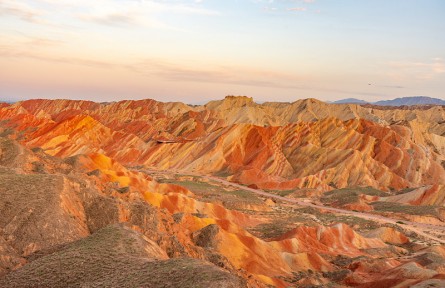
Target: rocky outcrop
{"points": [[334, 240], [205, 237], [388, 235], [424, 196]]}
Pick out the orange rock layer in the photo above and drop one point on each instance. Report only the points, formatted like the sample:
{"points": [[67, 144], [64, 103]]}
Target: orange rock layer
{"points": [[338, 149]]}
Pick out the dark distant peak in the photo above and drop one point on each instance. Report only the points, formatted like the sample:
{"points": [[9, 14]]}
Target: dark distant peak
{"points": [[7, 101], [350, 101], [410, 101]]}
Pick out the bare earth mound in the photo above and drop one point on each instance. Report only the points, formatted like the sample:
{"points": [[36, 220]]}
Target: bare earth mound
{"points": [[117, 256]]}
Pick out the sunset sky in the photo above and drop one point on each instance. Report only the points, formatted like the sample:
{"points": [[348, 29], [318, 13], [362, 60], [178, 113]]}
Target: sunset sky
{"points": [[197, 50]]}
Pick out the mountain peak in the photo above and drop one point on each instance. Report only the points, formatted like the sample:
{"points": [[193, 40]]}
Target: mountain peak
{"points": [[238, 99], [229, 102], [350, 101], [413, 100]]}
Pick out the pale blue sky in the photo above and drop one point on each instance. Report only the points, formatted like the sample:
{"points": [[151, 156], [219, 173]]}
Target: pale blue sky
{"points": [[193, 51]]}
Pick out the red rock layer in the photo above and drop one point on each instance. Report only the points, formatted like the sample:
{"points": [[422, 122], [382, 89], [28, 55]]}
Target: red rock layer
{"points": [[338, 239], [428, 195]]}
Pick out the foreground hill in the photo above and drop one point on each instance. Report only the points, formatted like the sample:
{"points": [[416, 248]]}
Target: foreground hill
{"points": [[117, 256]]}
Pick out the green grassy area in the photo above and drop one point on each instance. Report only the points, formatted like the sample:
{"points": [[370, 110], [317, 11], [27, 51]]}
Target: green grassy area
{"points": [[405, 209], [329, 218], [284, 221], [282, 193], [349, 195], [195, 186], [207, 189], [280, 224]]}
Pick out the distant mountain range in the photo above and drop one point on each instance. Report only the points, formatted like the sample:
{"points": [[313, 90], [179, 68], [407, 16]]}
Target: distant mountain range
{"points": [[404, 101], [350, 101], [6, 101]]}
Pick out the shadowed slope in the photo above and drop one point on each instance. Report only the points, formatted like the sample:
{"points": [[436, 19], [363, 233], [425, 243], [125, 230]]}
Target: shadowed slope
{"points": [[117, 256]]}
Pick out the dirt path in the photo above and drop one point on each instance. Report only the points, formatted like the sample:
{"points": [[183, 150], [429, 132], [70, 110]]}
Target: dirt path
{"points": [[418, 228]]}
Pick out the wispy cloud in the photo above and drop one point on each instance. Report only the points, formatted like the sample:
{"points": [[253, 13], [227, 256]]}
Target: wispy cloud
{"points": [[154, 68], [9, 51], [297, 9], [136, 13], [104, 12], [21, 10], [420, 70], [236, 76], [285, 5], [112, 19], [270, 9], [391, 86], [167, 71], [218, 74]]}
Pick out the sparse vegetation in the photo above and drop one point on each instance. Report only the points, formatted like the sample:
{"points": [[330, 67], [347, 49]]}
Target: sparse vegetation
{"points": [[405, 209], [330, 218], [214, 192], [282, 193], [272, 230], [349, 195]]}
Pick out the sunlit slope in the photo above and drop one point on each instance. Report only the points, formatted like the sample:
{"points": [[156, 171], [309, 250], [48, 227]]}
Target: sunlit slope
{"points": [[307, 143]]}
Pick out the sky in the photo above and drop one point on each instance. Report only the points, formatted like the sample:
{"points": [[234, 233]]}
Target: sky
{"points": [[194, 51]]}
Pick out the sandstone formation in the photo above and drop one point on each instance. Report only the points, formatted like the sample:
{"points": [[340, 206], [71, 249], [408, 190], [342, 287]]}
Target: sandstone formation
{"points": [[77, 187], [307, 143]]}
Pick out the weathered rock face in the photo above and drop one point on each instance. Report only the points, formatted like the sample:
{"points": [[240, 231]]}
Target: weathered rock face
{"points": [[386, 275], [10, 259], [388, 235], [428, 195], [205, 237]]}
